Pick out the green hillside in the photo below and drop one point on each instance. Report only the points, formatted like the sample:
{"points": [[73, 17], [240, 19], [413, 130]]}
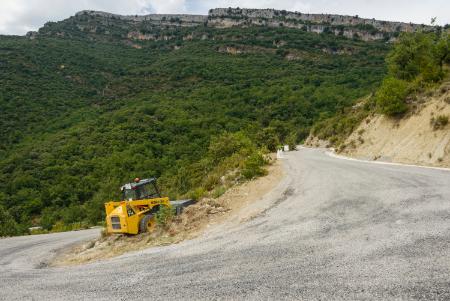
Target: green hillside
{"points": [[83, 112], [417, 64]]}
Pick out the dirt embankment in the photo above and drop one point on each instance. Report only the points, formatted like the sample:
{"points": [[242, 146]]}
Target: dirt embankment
{"points": [[422, 137], [191, 223], [314, 141]]}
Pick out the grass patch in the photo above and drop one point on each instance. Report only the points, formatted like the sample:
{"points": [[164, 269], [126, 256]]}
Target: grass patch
{"points": [[439, 122]]}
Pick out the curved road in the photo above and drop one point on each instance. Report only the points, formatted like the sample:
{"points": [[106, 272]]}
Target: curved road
{"points": [[333, 229]]}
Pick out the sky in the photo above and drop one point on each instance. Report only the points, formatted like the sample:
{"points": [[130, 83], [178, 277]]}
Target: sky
{"points": [[20, 16]]}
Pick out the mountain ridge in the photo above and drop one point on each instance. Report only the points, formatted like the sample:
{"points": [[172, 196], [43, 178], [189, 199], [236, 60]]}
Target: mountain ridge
{"points": [[339, 25], [333, 19]]}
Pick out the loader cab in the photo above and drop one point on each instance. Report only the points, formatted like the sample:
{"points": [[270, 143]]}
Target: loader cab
{"points": [[140, 190]]}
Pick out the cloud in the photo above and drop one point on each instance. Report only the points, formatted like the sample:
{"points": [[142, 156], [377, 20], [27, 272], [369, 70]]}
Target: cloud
{"points": [[277, 4], [168, 6], [20, 16]]}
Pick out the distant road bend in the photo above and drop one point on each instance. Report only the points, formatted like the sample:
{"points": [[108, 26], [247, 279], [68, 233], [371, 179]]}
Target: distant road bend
{"points": [[333, 229]]}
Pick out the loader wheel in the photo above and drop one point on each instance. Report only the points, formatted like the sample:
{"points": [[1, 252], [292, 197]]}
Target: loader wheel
{"points": [[147, 223]]}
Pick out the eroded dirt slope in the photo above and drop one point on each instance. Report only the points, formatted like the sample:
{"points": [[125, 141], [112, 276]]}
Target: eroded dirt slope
{"points": [[414, 139]]}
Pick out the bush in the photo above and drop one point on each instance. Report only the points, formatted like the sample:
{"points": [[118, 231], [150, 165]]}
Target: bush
{"points": [[336, 129], [211, 181], [218, 191], [268, 137], [291, 140], [253, 166], [227, 144], [390, 98], [197, 194], [72, 214], [439, 122], [8, 226], [48, 218], [165, 215]]}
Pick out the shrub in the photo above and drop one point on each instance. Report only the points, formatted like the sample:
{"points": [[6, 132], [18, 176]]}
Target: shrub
{"points": [[337, 128], [439, 122], [291, 140], [48, 218], [72, 214], [390, 98], [268, 137], [211, 181], [226, 145], [8, 226], [197, 194], [253, 166], [218, 191], [165, 215]]}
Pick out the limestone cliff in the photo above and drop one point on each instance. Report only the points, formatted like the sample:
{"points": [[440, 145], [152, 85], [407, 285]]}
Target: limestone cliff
{"points": [[137, 25]]}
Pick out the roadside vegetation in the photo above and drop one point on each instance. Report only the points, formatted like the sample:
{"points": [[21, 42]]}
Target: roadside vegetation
{"points": [[439, 122], [205, 213], [8, 226], [85, 112], [417, 63]]}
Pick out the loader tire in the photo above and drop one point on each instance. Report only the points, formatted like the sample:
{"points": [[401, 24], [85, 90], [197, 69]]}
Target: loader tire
{"points": [[147, 223]]}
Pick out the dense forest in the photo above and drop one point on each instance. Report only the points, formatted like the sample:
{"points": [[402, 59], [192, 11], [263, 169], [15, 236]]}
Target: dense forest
{"points": [[84, 112]]}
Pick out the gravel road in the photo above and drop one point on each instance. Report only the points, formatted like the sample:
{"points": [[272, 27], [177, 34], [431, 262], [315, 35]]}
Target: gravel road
{"points": [[333, 229]]}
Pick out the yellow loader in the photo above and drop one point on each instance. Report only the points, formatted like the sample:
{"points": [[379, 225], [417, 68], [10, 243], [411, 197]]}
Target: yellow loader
{"points": [[136, 213]]}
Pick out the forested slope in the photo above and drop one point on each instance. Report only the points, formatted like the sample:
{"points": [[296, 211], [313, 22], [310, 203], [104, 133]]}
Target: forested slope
{"points": [[83, 112]]}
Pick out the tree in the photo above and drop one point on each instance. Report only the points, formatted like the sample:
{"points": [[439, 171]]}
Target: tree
{"points": [[390, 98], [418, 54], [226, 145]]}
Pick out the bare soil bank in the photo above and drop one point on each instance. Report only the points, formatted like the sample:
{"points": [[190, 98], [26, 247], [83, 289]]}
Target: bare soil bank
{"points": [[413, 139]]}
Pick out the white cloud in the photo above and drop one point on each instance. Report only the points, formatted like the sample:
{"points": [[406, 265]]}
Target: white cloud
{"points": [[8, 12], [20, 16], [416, 11], [277, 4], [168, 6]]}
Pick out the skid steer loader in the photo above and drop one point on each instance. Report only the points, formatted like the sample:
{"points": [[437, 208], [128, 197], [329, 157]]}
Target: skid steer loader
{"points": [[141, 200]]}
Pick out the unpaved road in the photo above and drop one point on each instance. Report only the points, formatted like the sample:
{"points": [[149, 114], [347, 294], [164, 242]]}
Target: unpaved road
{"points": [[333, 229]]}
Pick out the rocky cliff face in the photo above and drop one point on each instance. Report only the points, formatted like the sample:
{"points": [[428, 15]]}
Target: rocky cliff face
{"points": [[348, 26], [137, 27], [192, 20], [296, 17]]}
